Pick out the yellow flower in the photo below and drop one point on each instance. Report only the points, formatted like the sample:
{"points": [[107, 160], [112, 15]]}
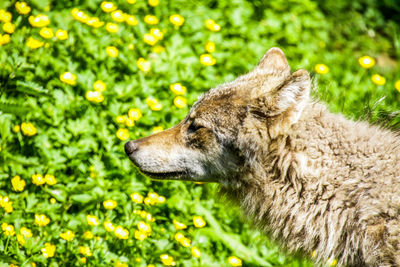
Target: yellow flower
{"points": [[139, 235], [53, 200], [8, 208], [112, 51], [131, 46], [8, 27], [212, 25], [68, 78], [180, 102], [38, 179], [185, 242], [321, 68], [143, 64], [50, 179], [332, 261], [195, 252], [16, 128], [149, 39], [207, 60], [48, 250], [25, 232], [4, 39], [83, 260], [95, 22], [177, 20], [32, 43], [135, 113], [153, 2], [22, 8], [121, 119], [18, 183], [161, 200], [153, 104], [99, 86], [397, 85], [20, 239], [108, 6], [68, 235], [158, 49], [118, 16], [8, 229], [46, 33], [157, 129], [28, 129], [109, 226], [110, 204], [84, 250], [41, 220], [210, 47], [198, 221], [61, 34], [366, 62], [94, 96], [131, 20], [111, 27], [131, 1], [179, 225], [137, 198], [167, 260], [5, 16], [88, 235], [39, 21], [129, 122], [151, 20], [92, 220], [378, 79], [178, 88], [122, 134], [144, 227], [121, 232], [121, 264], [234, 261]]}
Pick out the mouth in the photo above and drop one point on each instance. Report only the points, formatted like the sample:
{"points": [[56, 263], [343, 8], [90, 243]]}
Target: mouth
{"points": [[165, 175]]}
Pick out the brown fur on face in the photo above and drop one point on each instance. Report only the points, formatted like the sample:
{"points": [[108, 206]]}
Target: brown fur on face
{"points": [[311, 179]]}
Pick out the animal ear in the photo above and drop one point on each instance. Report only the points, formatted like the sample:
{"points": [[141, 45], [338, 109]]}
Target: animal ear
{"points": [[274, 60], [290, 96]]}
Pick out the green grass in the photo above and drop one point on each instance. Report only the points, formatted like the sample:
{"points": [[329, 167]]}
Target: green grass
{"points": [[76, 138]]}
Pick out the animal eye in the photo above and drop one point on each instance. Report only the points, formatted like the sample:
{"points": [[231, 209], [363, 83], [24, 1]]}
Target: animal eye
{"points": [[194, 127]]}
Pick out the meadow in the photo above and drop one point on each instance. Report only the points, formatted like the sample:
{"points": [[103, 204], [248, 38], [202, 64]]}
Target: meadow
{"points": [[80, 78]]}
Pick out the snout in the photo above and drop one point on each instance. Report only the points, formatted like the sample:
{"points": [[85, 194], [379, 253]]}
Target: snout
{"points": [[131, 147]]}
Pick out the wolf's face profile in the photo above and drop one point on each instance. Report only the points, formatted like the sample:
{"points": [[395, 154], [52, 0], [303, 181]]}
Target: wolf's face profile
{"points": [[315, 181], [208, 144]]}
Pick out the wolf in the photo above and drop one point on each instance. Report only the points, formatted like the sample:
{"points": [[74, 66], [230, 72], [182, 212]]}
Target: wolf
{"points": [[317, 182]]}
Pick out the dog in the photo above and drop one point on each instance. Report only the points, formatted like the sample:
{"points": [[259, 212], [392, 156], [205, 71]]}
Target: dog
{"points": [[317, 182]]}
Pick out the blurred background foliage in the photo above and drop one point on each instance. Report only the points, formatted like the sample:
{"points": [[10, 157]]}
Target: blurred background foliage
{"points": [[64, 125]]}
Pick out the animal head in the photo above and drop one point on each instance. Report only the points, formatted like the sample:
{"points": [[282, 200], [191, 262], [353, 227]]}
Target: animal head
{"points": [[227, 126]]}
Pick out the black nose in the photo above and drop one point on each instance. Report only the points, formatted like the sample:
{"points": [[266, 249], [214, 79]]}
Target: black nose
{"points": [[130, 147]]}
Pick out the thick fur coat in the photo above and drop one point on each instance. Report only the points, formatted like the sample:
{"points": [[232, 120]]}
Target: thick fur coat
{"points": [[315, 181]]}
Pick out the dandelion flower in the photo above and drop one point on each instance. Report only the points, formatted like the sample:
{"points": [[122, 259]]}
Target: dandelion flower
{"points": [[4, 39], [41, 220], [167, 260], [178, 88], [378, 79], [8, 229], [129, 122], [151, 20], [61, 34], [185, 242], [122, 134], [234, 261], [95, 22], [108, 6], [68, 235], [39, 21], [118, 16], [180, 102], [53, 200], [131, 20], [212, 25], [5, 16], [92, 220], [321, 68], [153, 2], [143, 64], [38, 179], [50, 179], [48, 250], [121, 232], [210, 47], [150, 39], [135, 113], [99, 86], [366, 62], [110, 204], [195, 252], [144, 227], [25, 232], [120, 119], [46, 33], [137, 198], [207, 60], [68, 78], [33, 43], [84, 250], [22, 8], [94, 96], [8, 27], [112, 27], [157, 33], [112, 51], [28, 129], [153, 104], [109, 226], [18, 184], [139, 235], [198, 221], [177, 20], [179, 225]]}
